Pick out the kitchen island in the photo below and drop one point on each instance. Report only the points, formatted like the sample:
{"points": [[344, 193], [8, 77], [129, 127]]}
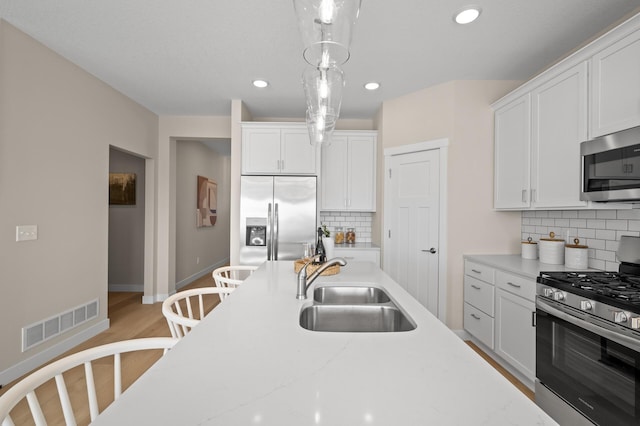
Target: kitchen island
{"points": [[250, 362]]}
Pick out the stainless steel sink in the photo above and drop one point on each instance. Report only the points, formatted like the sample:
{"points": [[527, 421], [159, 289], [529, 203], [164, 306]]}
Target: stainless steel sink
{"points": [[355, 318], [349, 295]]}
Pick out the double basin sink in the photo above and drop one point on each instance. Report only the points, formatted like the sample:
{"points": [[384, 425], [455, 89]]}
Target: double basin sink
{"points": [[353, 308]]}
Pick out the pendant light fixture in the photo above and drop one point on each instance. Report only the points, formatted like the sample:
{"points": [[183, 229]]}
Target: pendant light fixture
{"points": [[326, 27]]}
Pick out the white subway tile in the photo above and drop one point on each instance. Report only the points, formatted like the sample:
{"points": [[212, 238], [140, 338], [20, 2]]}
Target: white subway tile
{"points": [[555, 214], [612, 246], [629, 214], [606, 214], [586, 214], [548, 222], [586, 233], [603, 234], [634, 225], [563, 222], [606, 255], [596, 223], [596, 244], [597, 264], [612, 266], [578, 223], [620, 225], [570, 214], [542, 213]]}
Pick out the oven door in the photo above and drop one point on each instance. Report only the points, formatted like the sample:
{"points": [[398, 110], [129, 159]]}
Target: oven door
{"points": [[595, 370]]}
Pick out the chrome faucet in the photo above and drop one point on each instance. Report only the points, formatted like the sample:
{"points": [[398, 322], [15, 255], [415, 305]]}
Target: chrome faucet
{"points": [[304, 282]]}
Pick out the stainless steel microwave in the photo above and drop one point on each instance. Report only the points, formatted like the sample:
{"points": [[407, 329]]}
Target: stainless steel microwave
{"points": [[611, 167]]}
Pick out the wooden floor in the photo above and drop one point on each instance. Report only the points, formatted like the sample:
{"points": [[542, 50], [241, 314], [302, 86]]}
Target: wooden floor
{"points": [[130, 319]]}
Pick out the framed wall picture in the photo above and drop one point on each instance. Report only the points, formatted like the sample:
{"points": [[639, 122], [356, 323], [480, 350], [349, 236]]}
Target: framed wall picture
{"points": [[122, 189], [207, 208]]}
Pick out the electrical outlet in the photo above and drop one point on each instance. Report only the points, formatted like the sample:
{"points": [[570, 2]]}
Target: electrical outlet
{"points": [[26, 232]]}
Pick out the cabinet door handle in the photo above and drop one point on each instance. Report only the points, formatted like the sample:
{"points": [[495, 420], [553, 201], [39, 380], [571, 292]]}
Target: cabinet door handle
{"points": [[533, 196], [533, 319], [475, 316], [524, 195], [281, 164], [513, 285], [475, 286], [476, 271]]}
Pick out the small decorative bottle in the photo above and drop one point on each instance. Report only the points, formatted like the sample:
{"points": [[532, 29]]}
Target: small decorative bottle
{"points": [[339, 237], [351, 236], [320, 249]]}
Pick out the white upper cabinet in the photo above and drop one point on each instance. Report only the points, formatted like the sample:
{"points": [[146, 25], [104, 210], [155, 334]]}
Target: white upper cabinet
{"points": [[513, 154], [540, 125], [348, 178], [615, 87], [559, 118], [277, 148], [537, 145]]}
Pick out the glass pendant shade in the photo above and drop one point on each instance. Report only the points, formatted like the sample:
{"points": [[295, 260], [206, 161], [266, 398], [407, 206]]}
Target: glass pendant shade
{"points": [[320, 128], [326, 27], [323, 90]]}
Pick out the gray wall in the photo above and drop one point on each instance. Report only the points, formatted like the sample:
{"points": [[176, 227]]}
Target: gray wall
{"points": [[57, 123], [126, 228], [200, 250]]}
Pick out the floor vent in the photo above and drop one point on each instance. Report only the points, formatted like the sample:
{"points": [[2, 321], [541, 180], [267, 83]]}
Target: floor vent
{"points": [[44, 330]]}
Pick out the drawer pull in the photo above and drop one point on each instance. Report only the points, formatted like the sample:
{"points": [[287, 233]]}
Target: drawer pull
{"points": [[476, 271], [513, 285], [475, 316], [475, 286], [533, 319]]}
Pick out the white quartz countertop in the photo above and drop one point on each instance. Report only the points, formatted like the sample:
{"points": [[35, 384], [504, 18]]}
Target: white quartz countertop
{"points": [[250, 362], [514, 263], [358, 246]]}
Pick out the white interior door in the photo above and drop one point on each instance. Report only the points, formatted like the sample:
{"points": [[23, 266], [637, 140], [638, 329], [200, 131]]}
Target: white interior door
{"points": [[412, 221]]}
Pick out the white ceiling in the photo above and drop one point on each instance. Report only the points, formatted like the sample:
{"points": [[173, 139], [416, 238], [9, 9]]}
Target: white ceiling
{"points": [[193, 57]]}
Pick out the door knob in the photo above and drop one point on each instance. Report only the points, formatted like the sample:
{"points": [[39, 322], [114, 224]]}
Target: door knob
{"points": [[431, 250]]}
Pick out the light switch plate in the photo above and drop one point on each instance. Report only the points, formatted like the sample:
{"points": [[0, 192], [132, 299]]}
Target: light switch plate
{"points": [[26, 232]]}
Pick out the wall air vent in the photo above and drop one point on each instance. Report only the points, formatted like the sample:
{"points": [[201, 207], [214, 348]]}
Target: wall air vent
{"points": [[46, 329]]}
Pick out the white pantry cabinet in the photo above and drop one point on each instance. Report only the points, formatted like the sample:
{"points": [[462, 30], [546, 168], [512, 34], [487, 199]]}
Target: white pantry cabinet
{"points": [[348, 177], [537, 145], [277, 148], [615, 86]]}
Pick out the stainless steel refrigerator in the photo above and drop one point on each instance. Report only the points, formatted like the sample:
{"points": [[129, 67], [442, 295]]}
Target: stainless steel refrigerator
{"points": [[278, 214]]}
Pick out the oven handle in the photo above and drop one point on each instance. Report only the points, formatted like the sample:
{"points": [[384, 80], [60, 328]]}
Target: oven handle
{"points": [[621, 339]]}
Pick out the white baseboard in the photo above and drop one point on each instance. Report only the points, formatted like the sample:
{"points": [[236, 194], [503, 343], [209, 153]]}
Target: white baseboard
{"points": [[48, 354], [131, 288], [201, 273]]}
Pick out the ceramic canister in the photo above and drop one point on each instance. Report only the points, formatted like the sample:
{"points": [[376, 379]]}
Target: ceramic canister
{"points": [[529, 249], [552, 250], [576, 256]]}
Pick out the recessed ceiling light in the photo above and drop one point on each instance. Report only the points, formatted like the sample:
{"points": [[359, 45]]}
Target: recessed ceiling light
{"points": [[260, 83], [467, 15], [372, 86]]}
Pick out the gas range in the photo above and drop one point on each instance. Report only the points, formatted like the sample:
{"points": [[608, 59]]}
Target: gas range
{"points": [[611, 296]]}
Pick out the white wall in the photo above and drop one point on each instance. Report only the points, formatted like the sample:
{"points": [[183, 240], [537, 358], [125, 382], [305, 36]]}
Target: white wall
{"points": [[461, 112], [200, 250], [56, 125]]}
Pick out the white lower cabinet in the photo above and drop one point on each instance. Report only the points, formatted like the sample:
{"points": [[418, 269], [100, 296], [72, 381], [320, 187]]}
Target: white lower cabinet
{"points": [[369, 255], [499, 311], [515, 332]]}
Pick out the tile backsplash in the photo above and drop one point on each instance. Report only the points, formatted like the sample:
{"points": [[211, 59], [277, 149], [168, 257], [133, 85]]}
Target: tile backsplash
{"points": [[600, 230], [361, 221]]}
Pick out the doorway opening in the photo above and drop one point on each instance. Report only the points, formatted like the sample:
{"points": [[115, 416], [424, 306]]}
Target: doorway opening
{"points": [[126, 258]]}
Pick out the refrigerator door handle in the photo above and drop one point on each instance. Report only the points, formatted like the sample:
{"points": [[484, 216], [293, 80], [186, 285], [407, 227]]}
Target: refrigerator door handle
{"points": [[275, 233], [269, 232]]}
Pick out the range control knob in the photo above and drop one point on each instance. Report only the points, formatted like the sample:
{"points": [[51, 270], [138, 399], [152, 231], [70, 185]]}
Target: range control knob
{"points": [[586, 305], [620, 317], [635, 322], [558, 295], [548, 292]]}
